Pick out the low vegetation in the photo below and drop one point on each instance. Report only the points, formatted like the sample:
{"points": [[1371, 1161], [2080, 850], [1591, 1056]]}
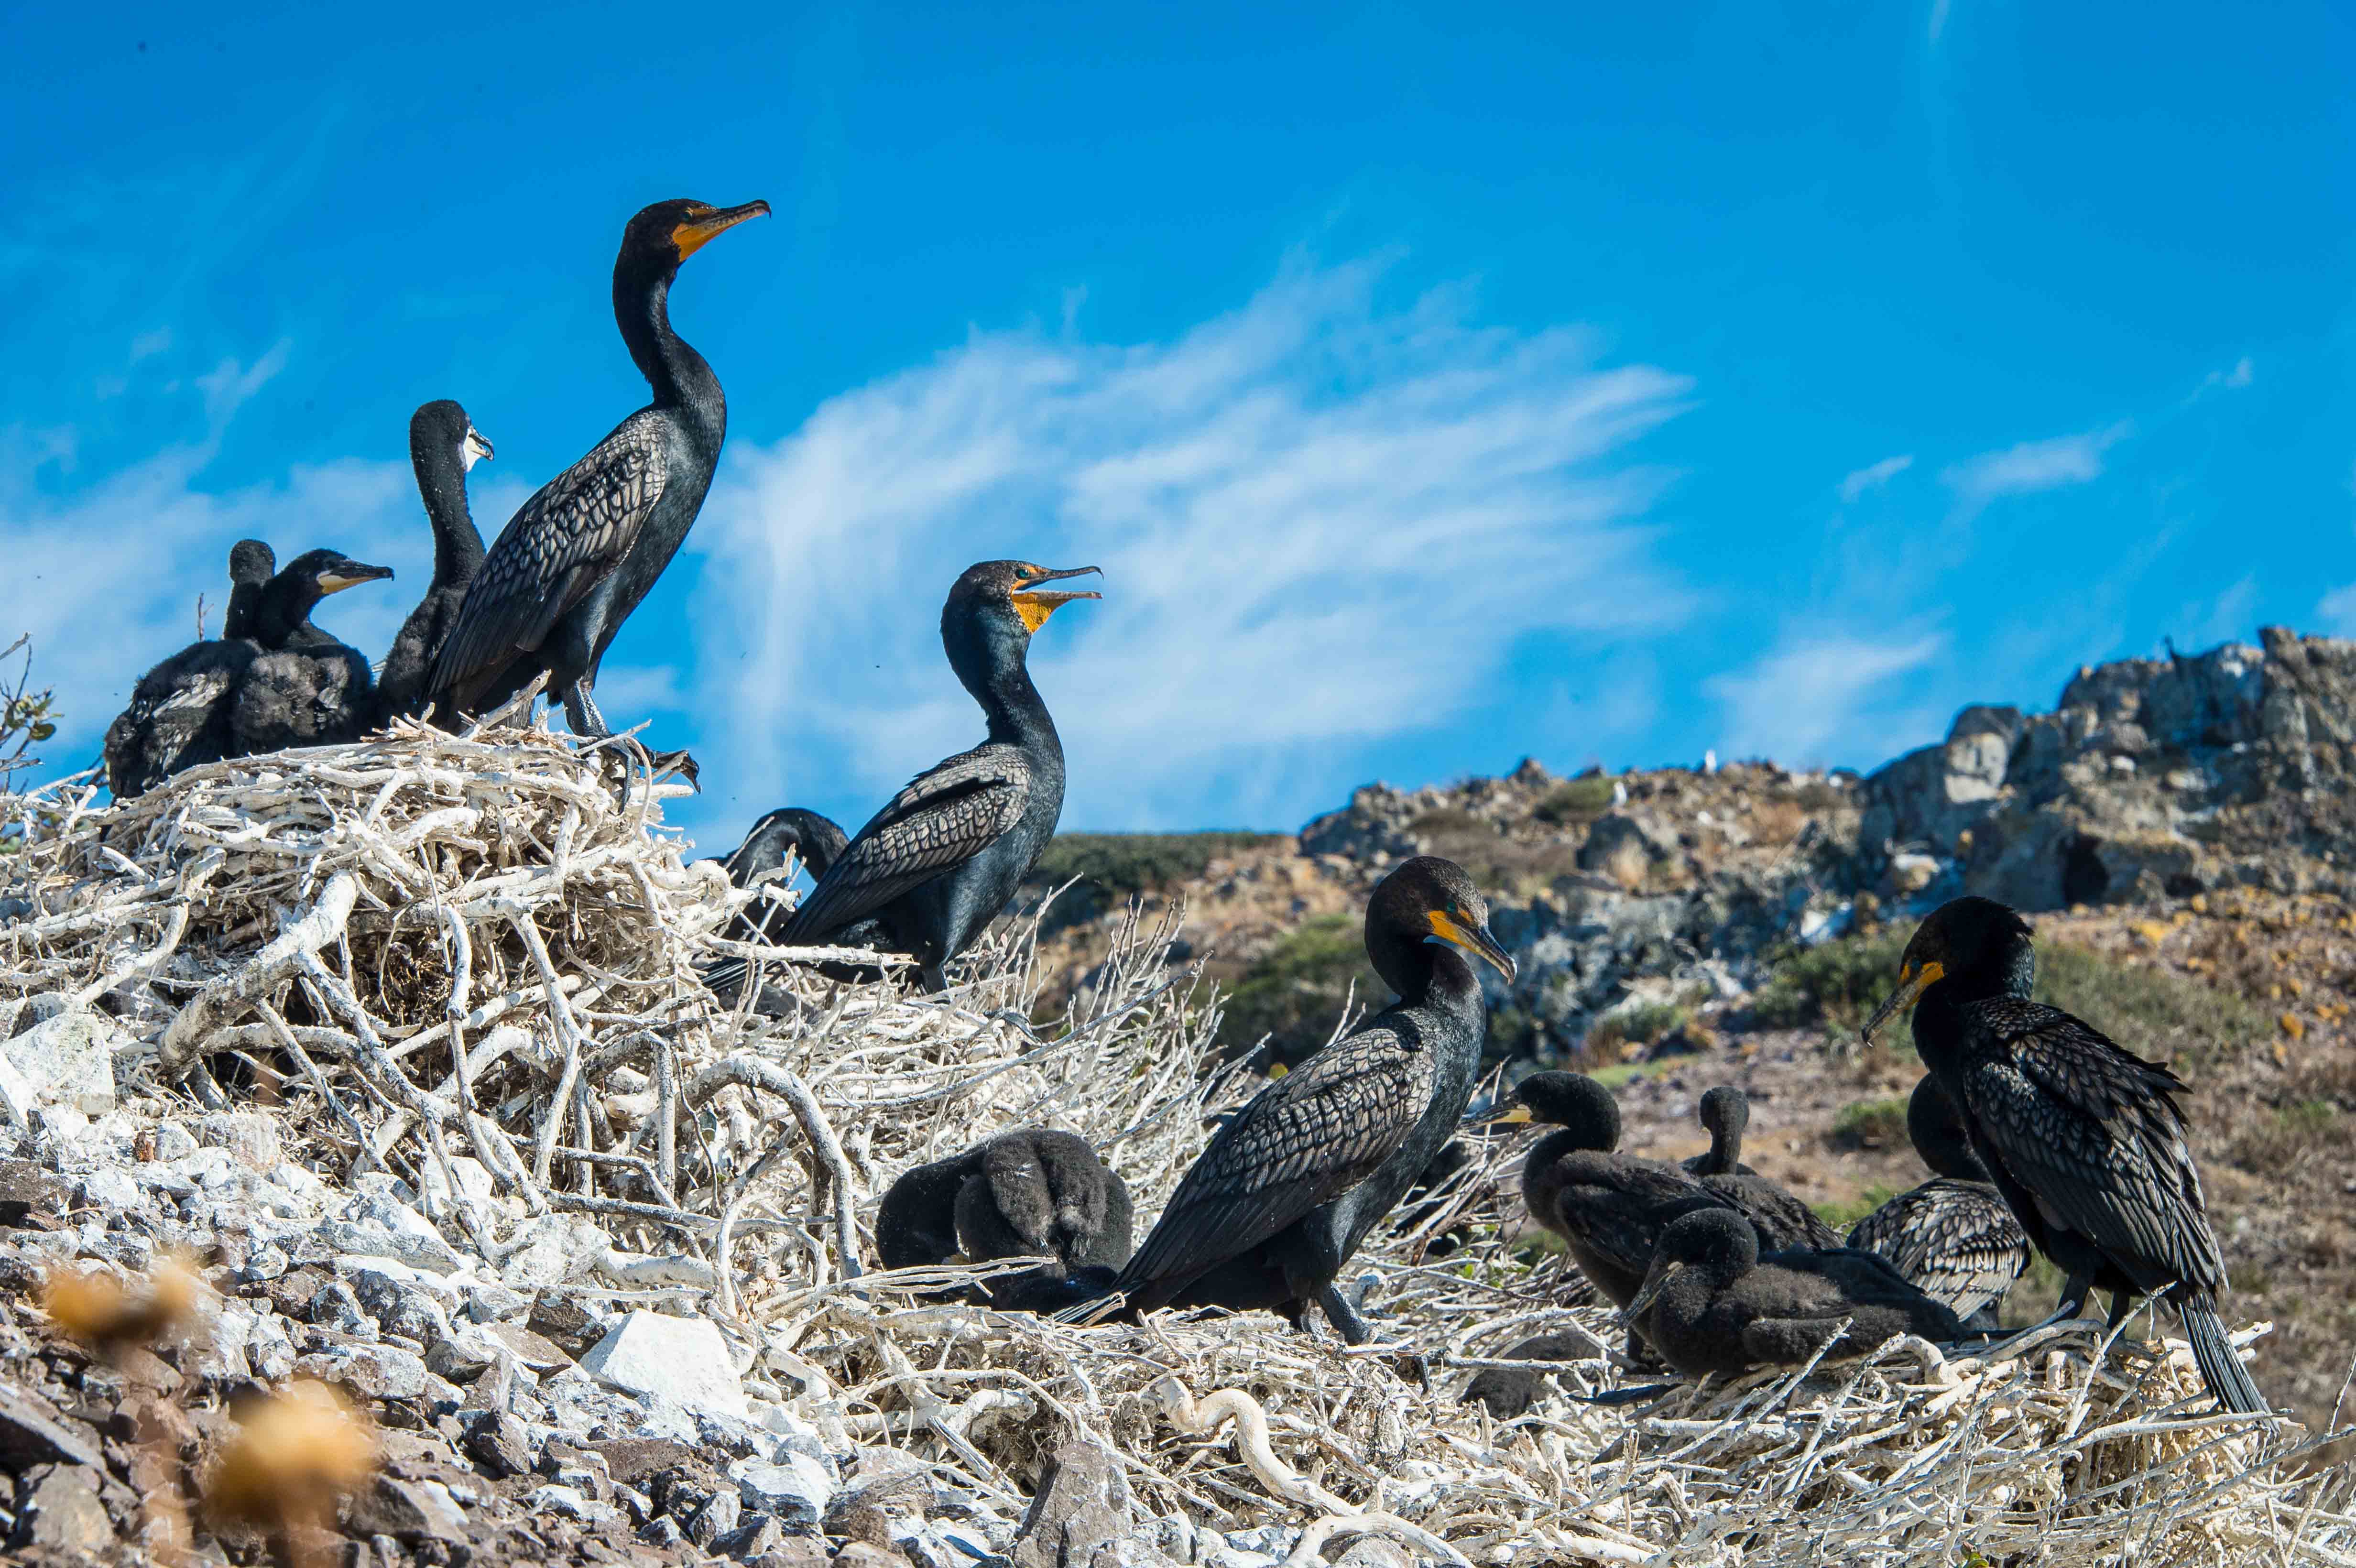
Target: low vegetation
{"points": [[1293, 993], [2152, 1011], [1637, 1025], [1122, 864], [1494, 860], [1577, 800], [1838, 984], [1871, 1123]]}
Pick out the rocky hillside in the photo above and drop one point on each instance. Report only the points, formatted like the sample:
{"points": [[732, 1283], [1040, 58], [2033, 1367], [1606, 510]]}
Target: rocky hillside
{"points": [[2182, 825]]}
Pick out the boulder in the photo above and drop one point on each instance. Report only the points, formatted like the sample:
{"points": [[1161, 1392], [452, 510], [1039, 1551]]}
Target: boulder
{"points": [[68, 1060], [682, 1359]]}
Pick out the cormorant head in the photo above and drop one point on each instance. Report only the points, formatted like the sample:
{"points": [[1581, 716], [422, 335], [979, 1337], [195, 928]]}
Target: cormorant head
{"points": [[663, 236], [251, 563], [443, 426], [1571, 1101], [1719, 1243], [1972, 937], [1427, 900], [332, 571], [1725, 1113], [1936, 1131], [815, 838], [994, 607]]}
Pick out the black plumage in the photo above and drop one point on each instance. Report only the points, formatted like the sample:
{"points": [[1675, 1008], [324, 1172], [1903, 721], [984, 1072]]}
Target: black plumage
{"points": [[178, 715], [579, 556], [2084, 1138], [1782, 1220], [1290, 1186], [308, 688], [1712, 1303], [1610, 1208], [938, 864], [1031, 1192], [444, 447], [1953, 1237], [1724, 1112]]}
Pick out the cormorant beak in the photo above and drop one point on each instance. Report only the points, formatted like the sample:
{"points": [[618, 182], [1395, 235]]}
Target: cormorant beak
{"points": [[1034, 608], [1912, 981], [693, 235], [476, 448], [351, 574], [1651, 1293], [1476, 941], [1509, 1116]]}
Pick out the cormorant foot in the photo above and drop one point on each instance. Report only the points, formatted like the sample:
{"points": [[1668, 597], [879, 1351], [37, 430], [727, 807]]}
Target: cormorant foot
{"points": [[1343, 1316]]}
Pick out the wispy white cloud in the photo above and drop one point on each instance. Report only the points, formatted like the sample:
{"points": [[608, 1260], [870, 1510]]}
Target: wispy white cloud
{"points": [[1938, 19], [2033, 465], [1813, 698], [1874, 477], [2336, 611], [1322, 524], [2228, 615]]}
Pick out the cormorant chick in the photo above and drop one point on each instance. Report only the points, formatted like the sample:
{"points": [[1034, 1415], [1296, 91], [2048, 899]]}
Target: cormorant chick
{"points": [[1711, 1304], [1724, 1112], [1024, 1193], [179, 713], [1953, 1237], [1290, 1186], [444, 447], [312, 690], [2083, 1138]]}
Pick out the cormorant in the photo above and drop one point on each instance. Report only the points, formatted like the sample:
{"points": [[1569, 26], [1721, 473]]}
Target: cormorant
{"points": [[252, 564], [178, 713], [1024, 1193], [1724, 1112], [939, 863], [309, 689], [1288, 1187], [444, 447], [1609, 1208], [578, 557], [1710, 1303], [2083, 1138], [1953, 1237]]}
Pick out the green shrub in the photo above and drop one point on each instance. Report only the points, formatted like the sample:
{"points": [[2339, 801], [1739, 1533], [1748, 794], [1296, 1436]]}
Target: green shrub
{"points": [[1839, 983], [1579, 800], [1293, 993], [1498, 863], [1871, 1123], [2152, 1011], [1639, 1025], [1125, 863]]}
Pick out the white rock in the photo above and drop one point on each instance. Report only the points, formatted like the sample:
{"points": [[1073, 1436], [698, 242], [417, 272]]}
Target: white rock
{"points": [[382, 1225], [474, 1183], [569, 1502], [173, 1141], [795, 1491], [796, 1435], [682, 1359], [551, 1250], [68, 1060], [250, 1135]]}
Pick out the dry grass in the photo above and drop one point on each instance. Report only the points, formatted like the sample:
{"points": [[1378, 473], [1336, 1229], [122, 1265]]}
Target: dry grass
{"points": [[435, 947]]}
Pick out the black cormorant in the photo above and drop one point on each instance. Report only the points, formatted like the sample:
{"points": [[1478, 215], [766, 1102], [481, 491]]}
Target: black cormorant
{"points": [[1291, 1186], [1610, 1208], [938, 864], [1954, 1236], [2083, 1137], [1710, 1303], [178, 715], [444, 447], [1031, 1192], [1724, 1112], [578, 557], [307, 689]]}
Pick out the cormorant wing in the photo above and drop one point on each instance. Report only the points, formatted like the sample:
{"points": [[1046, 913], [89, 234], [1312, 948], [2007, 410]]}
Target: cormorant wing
{"points": [[943, 819], [1303, 1140], [1957, 1241], [554, 551], [2093, 1131]]}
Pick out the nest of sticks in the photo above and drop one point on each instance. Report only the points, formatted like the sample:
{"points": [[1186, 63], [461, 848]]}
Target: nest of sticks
{"points": [[426, 949]]}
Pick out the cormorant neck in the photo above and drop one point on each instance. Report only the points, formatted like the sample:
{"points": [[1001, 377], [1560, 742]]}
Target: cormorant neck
{"points": [[458, 547], [287, 606], [998, 677], [678, 374], [1425, 973]]}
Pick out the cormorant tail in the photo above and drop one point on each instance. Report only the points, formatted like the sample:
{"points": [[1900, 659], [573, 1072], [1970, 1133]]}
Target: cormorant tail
{"points": [[2221, 1369]]}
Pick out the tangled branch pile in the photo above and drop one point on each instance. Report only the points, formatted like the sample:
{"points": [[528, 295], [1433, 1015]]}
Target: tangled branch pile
{"points": [[472, 962]]}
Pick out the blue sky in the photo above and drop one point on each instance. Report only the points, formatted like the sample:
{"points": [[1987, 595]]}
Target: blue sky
{"points": [[1436, 385]]}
